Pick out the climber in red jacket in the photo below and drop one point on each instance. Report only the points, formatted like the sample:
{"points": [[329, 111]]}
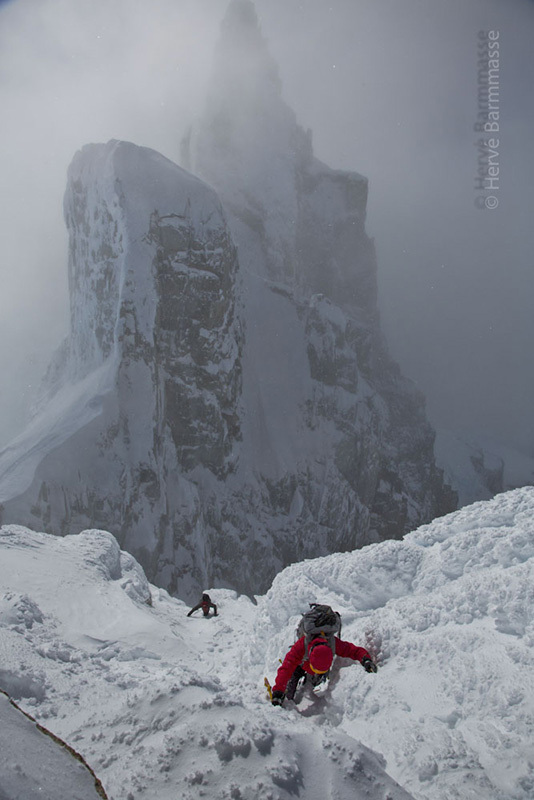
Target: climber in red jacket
{"points": [[315, 661], [205, 604]]}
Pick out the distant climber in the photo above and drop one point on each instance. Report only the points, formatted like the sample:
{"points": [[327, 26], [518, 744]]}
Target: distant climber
{"points": [[313, 653], [205, 604]]}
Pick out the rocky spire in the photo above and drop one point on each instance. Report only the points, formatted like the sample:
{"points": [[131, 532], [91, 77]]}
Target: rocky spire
{"points": [[243, 67], [240, 26], [300, 230], [248, 143]]}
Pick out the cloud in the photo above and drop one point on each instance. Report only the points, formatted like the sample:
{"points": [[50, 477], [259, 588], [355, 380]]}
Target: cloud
{"points": [[389, 89]]}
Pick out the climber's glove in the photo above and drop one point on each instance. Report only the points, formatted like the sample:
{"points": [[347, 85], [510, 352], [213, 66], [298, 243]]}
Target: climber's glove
{"points": [[368, 665], [278, 698]]}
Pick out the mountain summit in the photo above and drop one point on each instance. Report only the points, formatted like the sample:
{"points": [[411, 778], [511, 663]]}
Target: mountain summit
{"points": [[310, 314], [225, 403]]}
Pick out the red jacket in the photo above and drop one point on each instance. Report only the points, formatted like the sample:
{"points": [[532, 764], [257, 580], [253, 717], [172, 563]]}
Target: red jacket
{"points": [[297, 655]]}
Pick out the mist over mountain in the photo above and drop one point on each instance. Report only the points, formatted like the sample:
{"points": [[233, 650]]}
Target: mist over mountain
{"points": [[455, 282], [225, 402]]}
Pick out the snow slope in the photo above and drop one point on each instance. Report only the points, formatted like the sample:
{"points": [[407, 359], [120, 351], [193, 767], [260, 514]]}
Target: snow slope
{"points": [[164, 706], [158, 704]]}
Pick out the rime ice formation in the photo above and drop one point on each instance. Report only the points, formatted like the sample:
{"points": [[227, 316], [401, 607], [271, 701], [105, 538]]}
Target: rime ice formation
{"points": [[224, 413]]}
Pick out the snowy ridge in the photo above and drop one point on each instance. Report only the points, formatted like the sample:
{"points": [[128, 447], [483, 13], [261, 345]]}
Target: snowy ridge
{"points": [[164, 706]]}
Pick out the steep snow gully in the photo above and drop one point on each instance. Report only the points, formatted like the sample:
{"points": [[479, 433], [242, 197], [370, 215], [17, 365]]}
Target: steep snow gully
{"points": [[165, 706]]}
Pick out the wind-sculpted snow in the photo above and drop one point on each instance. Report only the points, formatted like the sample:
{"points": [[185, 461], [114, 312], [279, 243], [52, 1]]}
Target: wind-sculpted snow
{"points": [[161, 706], [448, 612], [165, 706]]}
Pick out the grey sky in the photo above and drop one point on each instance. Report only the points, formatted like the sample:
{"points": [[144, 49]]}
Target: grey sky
{"points": [[389, 89]]}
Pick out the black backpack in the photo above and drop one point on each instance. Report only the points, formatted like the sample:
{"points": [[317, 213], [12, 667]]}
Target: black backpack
{"points": [[320, 620]]}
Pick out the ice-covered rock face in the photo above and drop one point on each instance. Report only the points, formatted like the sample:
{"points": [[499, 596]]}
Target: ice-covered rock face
{"points": [[147, 385], [152, 270]]}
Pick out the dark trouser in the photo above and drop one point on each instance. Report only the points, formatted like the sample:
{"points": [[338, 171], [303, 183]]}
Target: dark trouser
{"points": [[293, 682]]}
